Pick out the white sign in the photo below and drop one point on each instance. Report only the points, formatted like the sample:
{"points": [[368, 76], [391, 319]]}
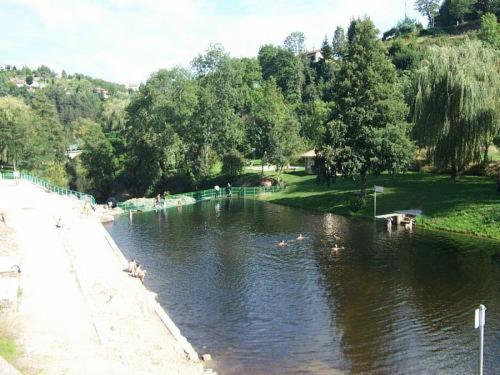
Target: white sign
{"points": [[379, 189], [480, 318]]}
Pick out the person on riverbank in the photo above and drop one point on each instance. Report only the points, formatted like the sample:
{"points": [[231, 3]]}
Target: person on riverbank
{"points": [[139, 273], [217, 191], [132, 266], [228, 190]]}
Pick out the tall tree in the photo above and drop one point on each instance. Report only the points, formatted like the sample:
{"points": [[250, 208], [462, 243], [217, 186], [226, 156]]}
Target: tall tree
{"points": [[339, 43], [295, 43], [157, 114], [15, 120], [326, 49], [367, 132], [460, 8], [490, 32], [275, 131], [429, 9], [97, 157], [456, 106], [286, 68]]}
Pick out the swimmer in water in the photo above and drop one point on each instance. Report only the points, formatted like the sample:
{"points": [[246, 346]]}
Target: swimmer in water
{"points": [[336, 248], [300, 237], [282, 243]]}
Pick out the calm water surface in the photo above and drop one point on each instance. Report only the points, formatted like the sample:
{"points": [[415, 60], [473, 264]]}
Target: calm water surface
{"points": [[399, 303]]}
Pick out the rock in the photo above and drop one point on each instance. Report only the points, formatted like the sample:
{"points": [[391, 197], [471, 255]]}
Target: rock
{"points": [[206, 357]]}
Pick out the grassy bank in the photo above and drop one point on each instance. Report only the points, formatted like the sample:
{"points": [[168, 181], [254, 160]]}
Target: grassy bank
{"points": [[8, 349], [469, 206]]}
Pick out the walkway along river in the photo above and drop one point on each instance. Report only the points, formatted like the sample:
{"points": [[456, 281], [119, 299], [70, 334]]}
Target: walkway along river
{"points": [[384, 303], [77, 312]]}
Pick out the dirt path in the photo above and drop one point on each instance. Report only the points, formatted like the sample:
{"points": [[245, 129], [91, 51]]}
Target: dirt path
{"points": [[79, 313]]}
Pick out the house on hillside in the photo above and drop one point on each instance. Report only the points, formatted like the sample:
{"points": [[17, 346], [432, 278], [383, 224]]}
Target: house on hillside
{"points": [[133, 87], [309, 158], [314, 55]]}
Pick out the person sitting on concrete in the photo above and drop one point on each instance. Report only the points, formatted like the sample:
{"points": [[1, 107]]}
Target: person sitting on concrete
{"points": [[140, 274], [132, 266]]}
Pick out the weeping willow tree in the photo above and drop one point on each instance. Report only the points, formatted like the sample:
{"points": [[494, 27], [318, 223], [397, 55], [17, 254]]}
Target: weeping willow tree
{"points": [[456, 105]]}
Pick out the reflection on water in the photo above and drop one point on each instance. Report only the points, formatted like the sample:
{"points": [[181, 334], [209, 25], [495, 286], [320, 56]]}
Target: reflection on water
{"points": [[383, 303]]}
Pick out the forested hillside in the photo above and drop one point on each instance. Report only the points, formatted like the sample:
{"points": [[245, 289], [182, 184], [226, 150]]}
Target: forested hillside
{"points": [[367, 102]]}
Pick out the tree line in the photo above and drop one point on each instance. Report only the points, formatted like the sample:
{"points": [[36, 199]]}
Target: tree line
{"points": [[364, 105]]}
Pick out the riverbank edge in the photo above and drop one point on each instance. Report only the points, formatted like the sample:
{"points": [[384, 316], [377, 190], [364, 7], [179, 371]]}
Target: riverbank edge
{"points": [[421, 222], [186, 346], [163, 318]]}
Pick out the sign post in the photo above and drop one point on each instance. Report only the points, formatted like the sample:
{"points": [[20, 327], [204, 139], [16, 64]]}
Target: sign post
{"points": [[479, 322], [377, 189]]}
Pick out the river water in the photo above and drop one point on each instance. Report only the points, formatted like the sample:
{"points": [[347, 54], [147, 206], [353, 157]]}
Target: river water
{"points": [[384, 303]]}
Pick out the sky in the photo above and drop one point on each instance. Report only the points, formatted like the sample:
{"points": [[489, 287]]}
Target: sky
{"points": [[126, 40]]}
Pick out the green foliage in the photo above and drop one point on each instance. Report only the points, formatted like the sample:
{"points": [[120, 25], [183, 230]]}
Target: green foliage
{"points": [[97, 157], [16, 119], [75, 99], [8, 349], [285, 68], [404, 56], [367, 132], [428, 8], [456, 106], [295, 43], [496, 141], [357, 203], [453, 11], [339, 43], [233, 163], [405, 27], [29, 79], [161, 110], [468, 206], [113, 115], [460, 8], [490, 32], [275, 130], [326, 49]]}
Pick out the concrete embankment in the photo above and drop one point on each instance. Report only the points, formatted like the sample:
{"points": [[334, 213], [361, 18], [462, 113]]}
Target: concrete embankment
{"points": [[77, 311]]}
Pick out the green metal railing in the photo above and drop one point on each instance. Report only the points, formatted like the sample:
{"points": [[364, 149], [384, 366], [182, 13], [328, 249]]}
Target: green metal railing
{"points": [[203, 195], [47, 185]]}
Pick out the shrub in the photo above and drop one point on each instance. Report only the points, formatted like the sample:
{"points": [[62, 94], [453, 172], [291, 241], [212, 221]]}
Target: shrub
{"points": [[232, 163], [357, 202]]}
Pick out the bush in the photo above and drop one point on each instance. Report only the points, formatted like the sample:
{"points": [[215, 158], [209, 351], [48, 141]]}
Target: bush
{"points": [[233, 163], [357, 202]]}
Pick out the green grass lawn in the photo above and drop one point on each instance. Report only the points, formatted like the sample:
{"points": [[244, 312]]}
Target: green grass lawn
{"points": [[494, 153], [7, 348], [469, 206]]}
